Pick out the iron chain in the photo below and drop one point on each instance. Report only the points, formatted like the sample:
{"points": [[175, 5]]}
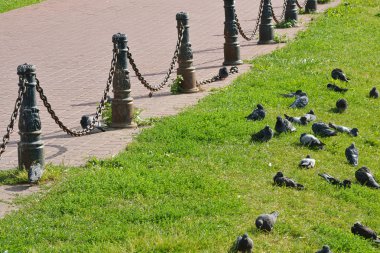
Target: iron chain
{"points": [[21, 92], [169, 72], [233, 70], [256, 26], [99, 109], [301, 5], [281, 18]]}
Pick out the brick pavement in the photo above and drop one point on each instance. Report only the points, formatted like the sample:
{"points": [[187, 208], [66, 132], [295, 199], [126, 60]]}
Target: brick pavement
{"points": [[70, 43]]}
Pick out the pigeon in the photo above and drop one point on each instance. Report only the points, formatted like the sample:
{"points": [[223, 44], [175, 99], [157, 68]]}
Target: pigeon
{"points": [[334, 181], [86, 122], [374, 93], [365, 177], [310, 116], [266, 221], [298, 93], [263, 135], [325, 249], [307, 162], [257, 114], [300, 102], [323, 129], [341, 105], [244, 244], [336, 88], [351, 131], [338, 74], [283, 126], [223, 73], [280, 180], [311, 141], [298, 120], [352, 155], [366, 232]]}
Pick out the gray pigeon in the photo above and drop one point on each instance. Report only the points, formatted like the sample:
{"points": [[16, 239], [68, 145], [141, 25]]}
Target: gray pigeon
{"points": [[366, 232], [86, 122], [244, 244], [332, 180], [365, 177], [35, 172], [280, 180], [300, 102], [310, 116], [351, 131], [325, 249], [283, 126], [307, 162], [374, 93], [263, 135], [298, 120], [341, 105], [266, 221], [311, 141], [322, 129], [338, 74], [257, 114], [297, 93], [336, 88], [352, 155]]}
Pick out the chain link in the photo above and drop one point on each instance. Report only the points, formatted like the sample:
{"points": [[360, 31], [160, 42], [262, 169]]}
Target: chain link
{"points": [[281, 18], [233, 70], [21, 92], [256, 26], [169, 72], [99, 109], [301, 5]]}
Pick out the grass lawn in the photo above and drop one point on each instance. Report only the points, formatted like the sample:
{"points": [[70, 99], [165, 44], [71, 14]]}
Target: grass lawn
{"points": [[7, 5], [194, 182]]}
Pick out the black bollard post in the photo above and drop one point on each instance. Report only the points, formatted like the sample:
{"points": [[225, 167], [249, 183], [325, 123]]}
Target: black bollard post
{"points": [[311, 6], [291, 12], [122, 103], [185, 57], [30, 146], [266, 30], [231, 33]]}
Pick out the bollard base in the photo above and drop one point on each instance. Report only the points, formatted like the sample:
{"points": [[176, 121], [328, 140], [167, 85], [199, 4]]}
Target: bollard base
{"points": [[232, 54], [124, 125], [264, 42]]}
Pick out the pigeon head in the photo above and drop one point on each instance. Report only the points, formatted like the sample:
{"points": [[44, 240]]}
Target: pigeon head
{"points": [[365, 169], [266, 127], [373, 88], [279, 118], [279, 174], [311, 112], [223, 72], [326, 247], [352, 145], [346, 183], [308, 156], [299, 92], [329, 85], [302, 135], [354, 131], [245, 236], [259, 106], [357, 224]]}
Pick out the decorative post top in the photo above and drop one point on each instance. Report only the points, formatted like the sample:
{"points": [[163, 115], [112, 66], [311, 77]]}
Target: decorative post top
{"points": [[26, 69], [182, 16], [119, 37]]}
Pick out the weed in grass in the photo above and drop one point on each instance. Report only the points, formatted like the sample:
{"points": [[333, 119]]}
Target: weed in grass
{"points": [[286, 24], [278, 38], [175, 86]]}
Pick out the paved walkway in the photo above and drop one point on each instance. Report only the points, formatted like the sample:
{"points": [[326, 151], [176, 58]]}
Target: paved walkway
{"points": [[70, 43]]}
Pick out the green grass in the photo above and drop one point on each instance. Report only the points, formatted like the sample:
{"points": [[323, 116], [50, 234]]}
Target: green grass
{"points": [[7, 5], [194, 182]]}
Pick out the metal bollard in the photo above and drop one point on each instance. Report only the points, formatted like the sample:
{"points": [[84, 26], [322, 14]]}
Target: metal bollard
{"points": [[122, 103], [291, 12], [266, 30], [185, 57], [30, 146], [311, 6], [231, 33]]}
